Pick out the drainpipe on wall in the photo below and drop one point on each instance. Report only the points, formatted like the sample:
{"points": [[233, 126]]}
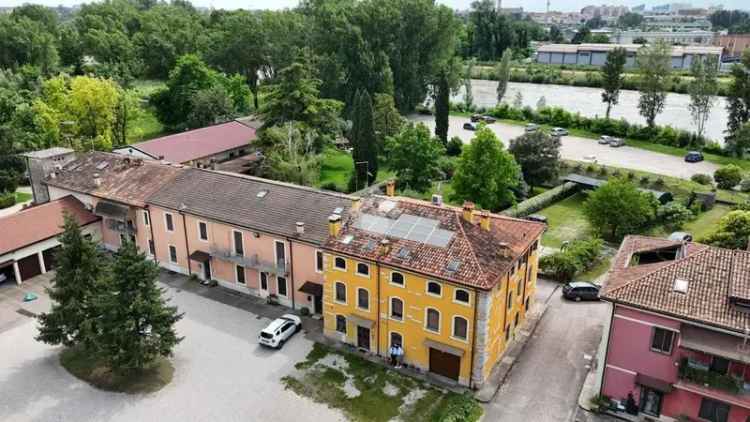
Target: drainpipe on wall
{"points": [[377, 317], [474, 339], [291, 269], [187, 245], [151, 229]]}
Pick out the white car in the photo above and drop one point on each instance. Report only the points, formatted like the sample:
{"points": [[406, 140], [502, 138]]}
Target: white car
{"points": [[558, 131], [280, 330], [531, 127]]}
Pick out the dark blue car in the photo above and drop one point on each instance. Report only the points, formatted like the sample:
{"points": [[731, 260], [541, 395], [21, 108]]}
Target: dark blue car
{"points": [[693, 157]]}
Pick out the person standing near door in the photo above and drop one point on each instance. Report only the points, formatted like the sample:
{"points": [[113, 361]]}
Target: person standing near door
{"points": [[393, 354], [399, 355]]}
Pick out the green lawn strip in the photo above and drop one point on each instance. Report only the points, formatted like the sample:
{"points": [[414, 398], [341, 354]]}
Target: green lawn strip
{"points": [[337, 168], [91, 369], [700, 226], [324, 384], [23, 197], [565, 221]]}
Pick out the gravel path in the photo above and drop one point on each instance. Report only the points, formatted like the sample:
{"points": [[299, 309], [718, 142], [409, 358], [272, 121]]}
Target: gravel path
{"points": [[575, 148], [221, 375]]}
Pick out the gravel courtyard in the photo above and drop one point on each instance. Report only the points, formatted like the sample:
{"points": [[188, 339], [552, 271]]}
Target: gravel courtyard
{"points": [[221, 374]]}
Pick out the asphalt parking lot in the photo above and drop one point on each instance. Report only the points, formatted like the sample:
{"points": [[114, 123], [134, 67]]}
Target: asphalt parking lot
{"points": [[221, 373]]}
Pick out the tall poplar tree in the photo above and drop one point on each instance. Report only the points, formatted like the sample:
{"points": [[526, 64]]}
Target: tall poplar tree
{"points": [[738, 102], [612, 78], [654, 69], [365, 149], [503, 75], [442, 107]]}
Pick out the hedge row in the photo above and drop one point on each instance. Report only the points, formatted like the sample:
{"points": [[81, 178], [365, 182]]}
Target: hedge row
{"points": [[7, 200], [557, 116], [541, 201]]}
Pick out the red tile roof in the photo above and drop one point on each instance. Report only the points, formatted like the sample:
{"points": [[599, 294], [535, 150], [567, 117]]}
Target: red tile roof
{"points": [[41, 222], [483, 256], [717, 279], [199, 143]]}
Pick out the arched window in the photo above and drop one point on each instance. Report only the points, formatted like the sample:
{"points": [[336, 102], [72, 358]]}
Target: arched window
{"points": [[434, 288], [363, 269], [341, 324], [339, 263], [396, 339], [363, 299], [460, 328], [397, 278], [432, 320], [461, 295], [340, 292], [397, 308]]}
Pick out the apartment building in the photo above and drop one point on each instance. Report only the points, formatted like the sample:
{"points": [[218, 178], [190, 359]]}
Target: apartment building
{"points": [[678, 339], [449, 285]]}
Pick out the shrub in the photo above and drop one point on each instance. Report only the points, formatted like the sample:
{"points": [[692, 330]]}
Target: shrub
{"points": [[602, 171], [673, 215], [728, 176], [599, 403], [745, 185], [578, 256], [304, 311], [7, 199], [631, 175], [332, 186], [542, 200], [454, 146], [645, 180], [703, 179], [659, 182], [447, 166], [590, 168], [8, 181]]}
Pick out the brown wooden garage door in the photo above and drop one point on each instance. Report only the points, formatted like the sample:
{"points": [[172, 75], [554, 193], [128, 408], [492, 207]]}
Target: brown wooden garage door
{"points": [[29, 267], [445, 364], [49, 258]]}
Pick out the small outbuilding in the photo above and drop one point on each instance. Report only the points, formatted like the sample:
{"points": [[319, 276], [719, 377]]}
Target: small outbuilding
{"points": [[29, 237]]}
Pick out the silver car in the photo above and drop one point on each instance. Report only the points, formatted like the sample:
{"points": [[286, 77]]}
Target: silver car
{"points": [[558, 131], [604, 140]]}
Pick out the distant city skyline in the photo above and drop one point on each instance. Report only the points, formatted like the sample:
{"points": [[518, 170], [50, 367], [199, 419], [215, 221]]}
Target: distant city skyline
{"points": [[528, 5]]}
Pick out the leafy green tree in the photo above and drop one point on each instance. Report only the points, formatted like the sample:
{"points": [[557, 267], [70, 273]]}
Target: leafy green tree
{"points": [[468, 92], [415, 157], [538, 154], [189, 76], [294, 97], [654, 68], [673, 215], [581, 35], [26, 42], [738, 101], [728, 176], [365, 149], [442, 108], [630, 20], [78, 278], [555, 34], [293, 158], [385, 118], [635, 210], [503, 75], [137, 324], [612, 78], [210, 106], [486, 172], [703, 88], [732, 231]]}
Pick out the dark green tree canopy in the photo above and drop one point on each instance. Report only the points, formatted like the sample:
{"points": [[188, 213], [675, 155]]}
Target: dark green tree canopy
{"points": [[538, 154]]}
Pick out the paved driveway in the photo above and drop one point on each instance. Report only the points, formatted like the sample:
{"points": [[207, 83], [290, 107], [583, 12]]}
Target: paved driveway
{"points": [[575, 148], [221, 375], [545, 382]]}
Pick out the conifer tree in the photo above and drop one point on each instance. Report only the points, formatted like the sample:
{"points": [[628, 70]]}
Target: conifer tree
{"points": [[365, 149]]}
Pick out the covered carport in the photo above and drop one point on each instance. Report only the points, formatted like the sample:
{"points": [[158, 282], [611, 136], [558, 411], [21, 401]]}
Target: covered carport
{"points": [[29, 243]]}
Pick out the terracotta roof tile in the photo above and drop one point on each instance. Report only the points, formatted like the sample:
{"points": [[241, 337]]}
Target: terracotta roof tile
{"points": [[41, 222], [122, 179], [713, 276], [483, 256]]}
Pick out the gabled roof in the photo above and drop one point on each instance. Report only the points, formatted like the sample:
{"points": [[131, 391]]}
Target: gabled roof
{"points": [[198, 143], [40, 222], [717, 280], [472, 255], [121, 178], [253, 203]]}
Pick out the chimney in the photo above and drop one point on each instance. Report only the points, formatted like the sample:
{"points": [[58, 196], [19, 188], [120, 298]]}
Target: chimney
{"points": [[97, 180], [485, 220], [469, 211], [390, 188], [300, 227], [505, 249], [334, 225], [385, 247]]}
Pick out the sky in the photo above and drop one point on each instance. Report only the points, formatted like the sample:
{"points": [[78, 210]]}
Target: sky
{"points": [[528, 5]]}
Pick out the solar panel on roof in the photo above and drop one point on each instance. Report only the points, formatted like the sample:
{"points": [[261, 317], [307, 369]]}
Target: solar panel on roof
{"points": [[403, 253], [440, 237], [410, 227]]}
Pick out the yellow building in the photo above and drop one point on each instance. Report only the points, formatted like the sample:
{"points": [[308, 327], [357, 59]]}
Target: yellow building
{"points": [[450, 285]]}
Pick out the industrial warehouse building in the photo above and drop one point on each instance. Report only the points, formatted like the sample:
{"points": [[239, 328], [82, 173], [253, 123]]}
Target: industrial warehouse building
{"points": [[596, 54]]}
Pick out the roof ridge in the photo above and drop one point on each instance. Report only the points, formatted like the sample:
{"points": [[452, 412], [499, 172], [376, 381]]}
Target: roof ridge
{"points": [[471, 244], [279, 183], [670, 265]]}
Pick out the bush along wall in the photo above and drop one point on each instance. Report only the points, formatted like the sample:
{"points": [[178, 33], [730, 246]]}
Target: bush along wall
{"points": [[556, 116], [541, 201]]}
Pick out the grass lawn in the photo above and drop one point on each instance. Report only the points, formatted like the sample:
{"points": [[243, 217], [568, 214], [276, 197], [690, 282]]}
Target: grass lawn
{"points": [[337, 168], [369, 392], [565, 220], [23, 197], [701, 226], [82, 365], [145, 125]]}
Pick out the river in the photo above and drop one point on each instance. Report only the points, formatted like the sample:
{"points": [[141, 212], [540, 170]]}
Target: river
{"points": [[588, 102]]}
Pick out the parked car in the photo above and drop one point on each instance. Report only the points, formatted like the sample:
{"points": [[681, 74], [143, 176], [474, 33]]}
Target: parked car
{"points": [[589, 159], [279, 331], [558, 131], [532, 127], [616, 142], [537, 217], [604, 140], [476, 118], [580, 290], [489, 119], [693, 157], [470, 126]]}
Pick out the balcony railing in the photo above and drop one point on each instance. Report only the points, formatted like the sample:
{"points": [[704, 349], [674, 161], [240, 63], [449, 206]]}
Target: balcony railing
{"points": [[281, 267], [120, 226], [700, 374]]}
